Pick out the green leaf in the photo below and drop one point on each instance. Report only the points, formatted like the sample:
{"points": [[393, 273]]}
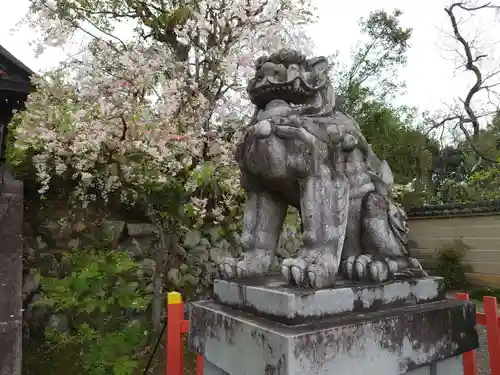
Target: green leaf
{"points": [[124, 366]]}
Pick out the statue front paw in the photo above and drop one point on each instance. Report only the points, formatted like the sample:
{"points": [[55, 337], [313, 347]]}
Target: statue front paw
{"points": [[379, 268], [251, 263], [311, 269]]}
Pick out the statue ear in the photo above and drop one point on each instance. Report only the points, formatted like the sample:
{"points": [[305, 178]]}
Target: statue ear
{"points": [[319, 64]]}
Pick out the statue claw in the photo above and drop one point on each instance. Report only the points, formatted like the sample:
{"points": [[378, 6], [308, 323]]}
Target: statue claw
{"points": [[285, 271], [312, 269], [348, 266], [298, 275], [252, 263], [227, 268], [380, 269], [319, 277]]}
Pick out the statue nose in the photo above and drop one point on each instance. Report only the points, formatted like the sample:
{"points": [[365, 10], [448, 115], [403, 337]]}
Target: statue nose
{"points": [[277, 71], [293, 72]]}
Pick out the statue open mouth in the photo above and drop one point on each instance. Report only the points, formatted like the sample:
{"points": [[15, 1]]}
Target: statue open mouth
{"points": [[285, 75], [294, 92]]}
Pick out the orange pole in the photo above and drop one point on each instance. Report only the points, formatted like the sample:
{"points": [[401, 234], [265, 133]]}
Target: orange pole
{"points": [[469, 358], [200, 362], [175, 345], [493, 333]]}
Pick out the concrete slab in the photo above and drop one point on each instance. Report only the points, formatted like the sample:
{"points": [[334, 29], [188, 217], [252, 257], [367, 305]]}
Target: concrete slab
{"points": [[273, 297], [449, 366]]}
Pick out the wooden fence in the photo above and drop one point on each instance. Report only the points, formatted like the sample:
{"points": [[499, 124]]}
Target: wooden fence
{"points": [[177, 327]]}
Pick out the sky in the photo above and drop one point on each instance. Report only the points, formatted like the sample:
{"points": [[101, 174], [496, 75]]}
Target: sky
{"points": [[432, 81]]}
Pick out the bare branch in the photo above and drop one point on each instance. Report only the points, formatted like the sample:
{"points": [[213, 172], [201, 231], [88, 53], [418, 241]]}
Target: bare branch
{"points": [[470, 65], [464, 114]]}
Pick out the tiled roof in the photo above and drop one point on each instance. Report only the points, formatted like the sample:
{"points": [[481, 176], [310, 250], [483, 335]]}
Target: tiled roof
{"points": [[13, 60], [455, 209], [15, 77]]}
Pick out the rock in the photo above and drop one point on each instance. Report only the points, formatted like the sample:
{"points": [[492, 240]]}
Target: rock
{"points": [[211, 269], [132, 247], [79, 226], [29, 253], [48, 265], [113, 231], [30, 284], [41, 245], [149, 267], [192, 238], [27, 230], [178, 250], [199, 254], [26, 332], [51, 229], [139, 274], [37, 315], [189, 279], [199, 271], [59, 323], [134, 314], [174, 276], [65, 267], [74, 244], [214, 254], [142, 230]]}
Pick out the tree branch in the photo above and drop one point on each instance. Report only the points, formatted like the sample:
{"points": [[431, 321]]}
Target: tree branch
{"points": [[469, 65]]}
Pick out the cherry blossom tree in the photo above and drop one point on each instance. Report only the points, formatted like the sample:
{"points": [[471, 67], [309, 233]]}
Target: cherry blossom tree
{"points": [[146, 113], [166, 93]]}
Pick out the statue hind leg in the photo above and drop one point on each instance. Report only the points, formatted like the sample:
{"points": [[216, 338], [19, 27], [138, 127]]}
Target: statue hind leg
{"points": [[386, 255], [262, 222]]}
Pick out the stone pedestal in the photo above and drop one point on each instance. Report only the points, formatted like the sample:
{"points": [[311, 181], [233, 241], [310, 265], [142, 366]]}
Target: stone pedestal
{"points": [[258, 327]]}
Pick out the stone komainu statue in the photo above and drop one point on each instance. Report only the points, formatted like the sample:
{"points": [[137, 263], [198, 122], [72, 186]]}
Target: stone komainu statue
{"points": [[302, 150]]}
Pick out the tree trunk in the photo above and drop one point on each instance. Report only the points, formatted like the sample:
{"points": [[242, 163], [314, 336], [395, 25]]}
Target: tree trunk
{"points": [[158, 304]]}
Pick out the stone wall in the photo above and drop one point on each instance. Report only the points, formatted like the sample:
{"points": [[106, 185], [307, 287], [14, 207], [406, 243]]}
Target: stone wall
{"points": [[46, 243], [477, 227], [11, 246], [47, 238]]}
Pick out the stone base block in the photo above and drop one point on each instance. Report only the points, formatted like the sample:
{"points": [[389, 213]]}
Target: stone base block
{"points": [[389, 342], [450, 366], [274, 298]]}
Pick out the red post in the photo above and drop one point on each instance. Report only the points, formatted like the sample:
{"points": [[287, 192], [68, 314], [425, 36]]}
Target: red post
{"points": [[200, 361], [469, 358], [493, 333], [175, 343]]}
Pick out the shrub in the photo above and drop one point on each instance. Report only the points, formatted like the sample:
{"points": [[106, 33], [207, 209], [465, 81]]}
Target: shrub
{"points": [[448, 264], [478, 294], [101, 297]]}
